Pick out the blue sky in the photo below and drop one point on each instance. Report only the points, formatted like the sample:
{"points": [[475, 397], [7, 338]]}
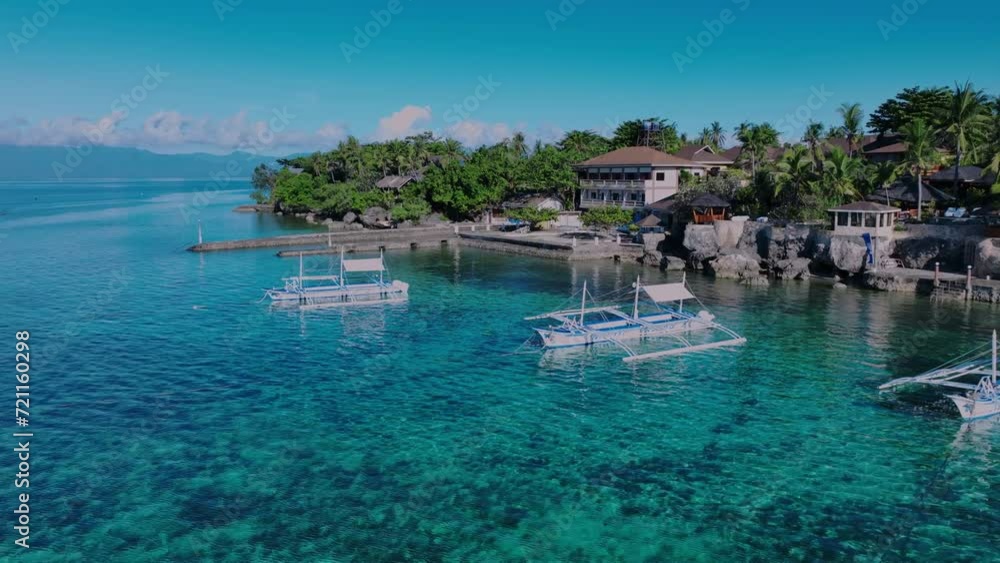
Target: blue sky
{"points": [[553, 65]]}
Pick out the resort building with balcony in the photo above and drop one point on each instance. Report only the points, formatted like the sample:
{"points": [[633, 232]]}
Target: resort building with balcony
{"points": [[714, 162], [632, 177]]}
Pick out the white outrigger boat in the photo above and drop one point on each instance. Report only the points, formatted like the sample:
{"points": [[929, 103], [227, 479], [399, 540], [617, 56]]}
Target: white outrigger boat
{"points": [[978, 369], [360, 282], [580, 327]]}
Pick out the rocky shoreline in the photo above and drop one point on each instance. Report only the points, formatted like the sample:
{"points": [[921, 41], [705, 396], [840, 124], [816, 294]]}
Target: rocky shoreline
{"points": [[756, 253]]}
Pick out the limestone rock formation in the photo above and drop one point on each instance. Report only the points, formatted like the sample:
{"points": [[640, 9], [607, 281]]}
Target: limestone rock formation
{"points": [[988, 258], [702, 242]]}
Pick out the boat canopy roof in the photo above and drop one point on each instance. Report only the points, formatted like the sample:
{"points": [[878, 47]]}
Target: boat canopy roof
{"points": [[667, 292], [364, 265]]}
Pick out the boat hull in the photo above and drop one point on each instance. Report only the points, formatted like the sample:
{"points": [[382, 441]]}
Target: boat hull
{"points": [[622, 330], [972, 409], [341, 295]]}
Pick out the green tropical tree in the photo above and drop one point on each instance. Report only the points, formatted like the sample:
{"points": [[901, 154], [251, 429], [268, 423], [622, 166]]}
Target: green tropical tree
{"points": [[632, 133], [852, 116], [967, 122], [586, 144], [841, 175], [795, 171], [931, 104], [718, 135], [921, 154], [705, 137], [756, 139], [814, 138]]}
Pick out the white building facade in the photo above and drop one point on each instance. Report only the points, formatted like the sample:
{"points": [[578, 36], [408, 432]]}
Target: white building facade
{"points": [[632, 177]]}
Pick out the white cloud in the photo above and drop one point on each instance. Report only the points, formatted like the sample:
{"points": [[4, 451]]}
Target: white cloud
{"points": [[476, 133], [403, 123], [167, 130]]}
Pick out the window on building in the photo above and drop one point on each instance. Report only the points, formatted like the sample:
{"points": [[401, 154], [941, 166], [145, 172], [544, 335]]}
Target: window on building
{"points": [[645, 176], [661, 176], [616, 196], [870, 220], [856, 220]]}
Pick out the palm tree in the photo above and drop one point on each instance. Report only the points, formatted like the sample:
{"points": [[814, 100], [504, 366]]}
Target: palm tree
{"points": [[921, 154], [756, 139], [881, 176], [706, 137], [841, 173], [814, 137], [586, 143], [451, 149], [794, 170], [518, 145], [853, 117], [967, 120], [718, 134]]}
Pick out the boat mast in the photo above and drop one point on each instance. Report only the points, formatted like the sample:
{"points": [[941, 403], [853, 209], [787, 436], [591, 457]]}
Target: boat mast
{"points": [[300, 268], [635, 307], [583, 301], [381, 259]]}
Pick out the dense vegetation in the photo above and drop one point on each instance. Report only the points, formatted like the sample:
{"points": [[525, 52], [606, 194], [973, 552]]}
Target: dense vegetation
{"points": [[797, 181]]}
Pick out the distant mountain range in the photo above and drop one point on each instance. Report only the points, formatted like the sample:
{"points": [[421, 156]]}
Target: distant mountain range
{"points": [[55, 163]]}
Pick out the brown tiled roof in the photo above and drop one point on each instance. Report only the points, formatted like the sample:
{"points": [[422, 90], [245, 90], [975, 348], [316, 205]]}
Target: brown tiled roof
{"points": [[703, 154], [639, 156], [394, 182], [894, 148], [733, 153]]}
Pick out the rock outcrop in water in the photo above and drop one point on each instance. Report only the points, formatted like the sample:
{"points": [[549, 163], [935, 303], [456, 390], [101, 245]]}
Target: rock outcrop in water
{"points": [[988, 258], [743, 251]]}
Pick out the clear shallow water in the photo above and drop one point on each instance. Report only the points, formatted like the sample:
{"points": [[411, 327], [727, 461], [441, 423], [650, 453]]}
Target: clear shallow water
{"points": [[176, 419]]}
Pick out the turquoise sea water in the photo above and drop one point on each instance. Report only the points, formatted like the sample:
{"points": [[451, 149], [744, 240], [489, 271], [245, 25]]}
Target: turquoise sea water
{"points": [[178, 420]]}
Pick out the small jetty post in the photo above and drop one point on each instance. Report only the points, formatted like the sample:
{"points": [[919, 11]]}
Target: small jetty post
{"points": [[199, 232], [618, 238], [937, 274], [329, 240], [456, 229], [968, 283], [597, 241], [574, 242]]}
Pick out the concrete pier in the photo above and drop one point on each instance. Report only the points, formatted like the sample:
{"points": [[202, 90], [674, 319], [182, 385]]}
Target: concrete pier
{"points": [[359, 240]]}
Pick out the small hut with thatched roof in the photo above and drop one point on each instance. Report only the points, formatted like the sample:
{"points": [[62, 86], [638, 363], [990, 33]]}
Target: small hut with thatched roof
{"points": [[709, 208]]}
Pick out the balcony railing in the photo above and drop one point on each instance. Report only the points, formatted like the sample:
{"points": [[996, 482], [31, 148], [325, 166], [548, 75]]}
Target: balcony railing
{"points": [[614, 184], [627, 204]]}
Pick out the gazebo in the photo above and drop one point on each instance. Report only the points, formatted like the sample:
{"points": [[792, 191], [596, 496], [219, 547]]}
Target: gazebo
{"points": [[864, 217], [709, 208]]}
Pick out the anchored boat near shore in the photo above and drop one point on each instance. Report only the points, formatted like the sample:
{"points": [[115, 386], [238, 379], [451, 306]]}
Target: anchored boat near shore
{"points": [[975, 373], [588, 326], [360, 282]]}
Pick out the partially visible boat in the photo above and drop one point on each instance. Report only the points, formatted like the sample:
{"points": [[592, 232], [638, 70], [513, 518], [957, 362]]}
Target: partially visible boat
{"points": [[609, 324], [974, 373], [362, 281]]}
